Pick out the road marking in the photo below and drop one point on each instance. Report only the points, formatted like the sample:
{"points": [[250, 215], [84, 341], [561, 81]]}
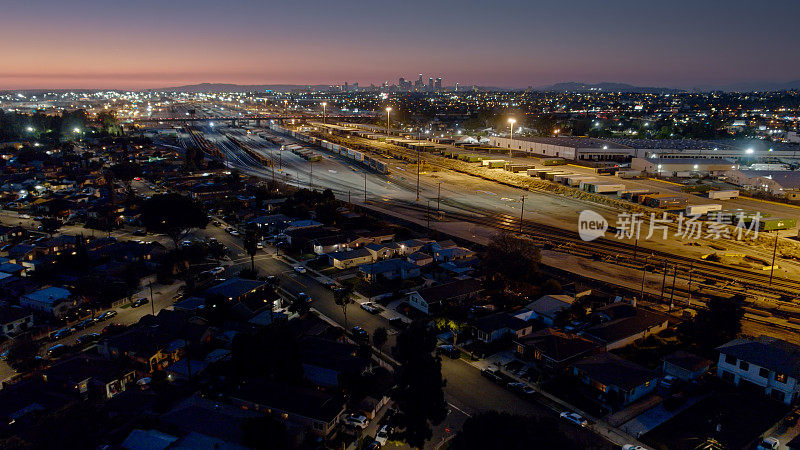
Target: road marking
{"points": [[460, 410]]}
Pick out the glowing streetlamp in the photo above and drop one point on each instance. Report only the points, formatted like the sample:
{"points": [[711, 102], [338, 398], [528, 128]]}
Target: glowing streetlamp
{"points": [[30, 129], [76, 130], [388, 111], [749, 151], [324, 104], [511, 123]]}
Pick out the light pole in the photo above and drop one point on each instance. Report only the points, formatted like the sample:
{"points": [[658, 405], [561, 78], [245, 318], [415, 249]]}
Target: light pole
{"points": [[388, 128], [439, 197], [521, 213], [324, 104], [418, 156], [511, 123], [774, 253]]}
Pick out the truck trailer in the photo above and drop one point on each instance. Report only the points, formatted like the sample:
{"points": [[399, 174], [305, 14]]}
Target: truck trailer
{"points": [[723, 195]]}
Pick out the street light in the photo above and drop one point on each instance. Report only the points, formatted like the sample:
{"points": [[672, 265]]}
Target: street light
{"points": [[30, 129], [324, 104], [388, 111], [511, 122]]}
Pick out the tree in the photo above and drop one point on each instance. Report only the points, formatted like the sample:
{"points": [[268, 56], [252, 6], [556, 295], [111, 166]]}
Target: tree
{"points": [[509, 259], [419, 393], [379, 337], [50, 225], [454, 326], [125, 172], [718, 324], [272, 352], [251, 247], [300, 306], [510, 432], [342, 297], [172, 214], [264, 432]]}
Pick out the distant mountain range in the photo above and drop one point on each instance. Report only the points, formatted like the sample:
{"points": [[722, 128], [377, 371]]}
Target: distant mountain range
{"points": [[607, 87]]}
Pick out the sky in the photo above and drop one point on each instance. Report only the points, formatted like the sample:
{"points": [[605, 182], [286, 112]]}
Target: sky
{"points": [[141, 44]]}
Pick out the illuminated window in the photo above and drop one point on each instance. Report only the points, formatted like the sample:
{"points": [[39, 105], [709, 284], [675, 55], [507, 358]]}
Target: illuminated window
{"points": [[780, 377]]}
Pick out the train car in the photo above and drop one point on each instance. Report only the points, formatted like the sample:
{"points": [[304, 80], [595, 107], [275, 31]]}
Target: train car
{"points": [[601, 187], [699, 210], [773, 224], [723, 195], [666, 201], [629, 174], [553, 161]]}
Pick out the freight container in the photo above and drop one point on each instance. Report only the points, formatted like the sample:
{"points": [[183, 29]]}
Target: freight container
{"points": [[699, 210], [723, 195], [770, 224], [553, 161], [511, 167], [601, 187], [562, 176], [666, 201], [493, 163], [575, 180], [551, 176], [535, 172], [543, 175], [626, 194], [628, 174]]}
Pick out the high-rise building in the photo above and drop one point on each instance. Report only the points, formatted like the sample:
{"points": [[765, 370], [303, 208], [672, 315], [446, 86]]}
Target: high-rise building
{"points": [[430, 83], [438, 84]]}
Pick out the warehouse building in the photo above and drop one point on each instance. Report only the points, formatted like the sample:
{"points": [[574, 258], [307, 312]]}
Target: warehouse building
{"points": [[682, 167], [777, 182]]}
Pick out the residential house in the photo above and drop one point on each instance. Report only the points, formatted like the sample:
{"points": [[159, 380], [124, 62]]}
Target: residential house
{"points": [[14, 320], [617, 380], [346, 259], [421, 259], [452, 254], [371, 237], [83, 374], [685, 366], [389, 269], [768, 364], [620, 324], [238, 290], [308, 409], [411, 246], [553, 349], [51, 300], [382, 250], [328, 244], [270, 224], [431, 299], [500, 325], [547, 308], [328, 363]]}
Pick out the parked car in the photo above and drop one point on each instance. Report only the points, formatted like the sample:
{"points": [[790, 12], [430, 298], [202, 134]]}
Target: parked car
{"points": [[217, 270], [360, 334], [57, 350], [357, 421], [382, 435], [304, 296], [574, 418], [449, 350], [370, 307], [300, 269], [84, 323], [140, 302], [769, 443], [492, 373], [374, 445], [397, 322], [106, 315], [87, 338], [668, 381]]}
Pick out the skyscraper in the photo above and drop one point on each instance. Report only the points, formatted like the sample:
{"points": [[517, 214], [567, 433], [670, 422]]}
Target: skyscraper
{"points": [[438, 83]]}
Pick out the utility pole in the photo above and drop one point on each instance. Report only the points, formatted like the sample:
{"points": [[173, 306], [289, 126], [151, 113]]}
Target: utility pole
{"points": [[774, 253], [689, 298], [521, 213], [311, 175], [152, 303], [672, 293], [439, 197], [429, 214], [365, 188], [635, 246], [644, 272], [663, 282], [418, 154]]}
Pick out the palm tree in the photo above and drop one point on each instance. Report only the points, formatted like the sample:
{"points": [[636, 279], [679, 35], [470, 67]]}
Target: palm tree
{"points": [[251, 247], [342, 298]]}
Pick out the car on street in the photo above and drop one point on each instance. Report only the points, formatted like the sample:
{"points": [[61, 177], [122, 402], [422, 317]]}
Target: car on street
{"points": [[632, 447], [374, 445], [449, 350], [769, 443], [60, 334], [87, 338], [356, 420], [83, 324], [574, 418], [382, 435], [360, 334], [139, 233], [57, 350], [304, 296], [370, 307], [300, 269], [217, 270], [397, 322], [668, 381], [140, 302], [106, 315]]}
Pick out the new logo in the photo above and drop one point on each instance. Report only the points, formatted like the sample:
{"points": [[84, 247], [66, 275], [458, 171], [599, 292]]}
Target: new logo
{"points": [[591, 225]]}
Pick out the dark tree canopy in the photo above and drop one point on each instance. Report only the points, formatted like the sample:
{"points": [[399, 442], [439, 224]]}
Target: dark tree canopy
{"points": [[272, 353], [511, 259], [172, 214], [510, 432], [419, 394]]}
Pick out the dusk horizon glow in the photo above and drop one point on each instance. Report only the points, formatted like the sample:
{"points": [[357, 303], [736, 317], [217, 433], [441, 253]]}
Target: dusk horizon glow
{"points": [[88, 44]]}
